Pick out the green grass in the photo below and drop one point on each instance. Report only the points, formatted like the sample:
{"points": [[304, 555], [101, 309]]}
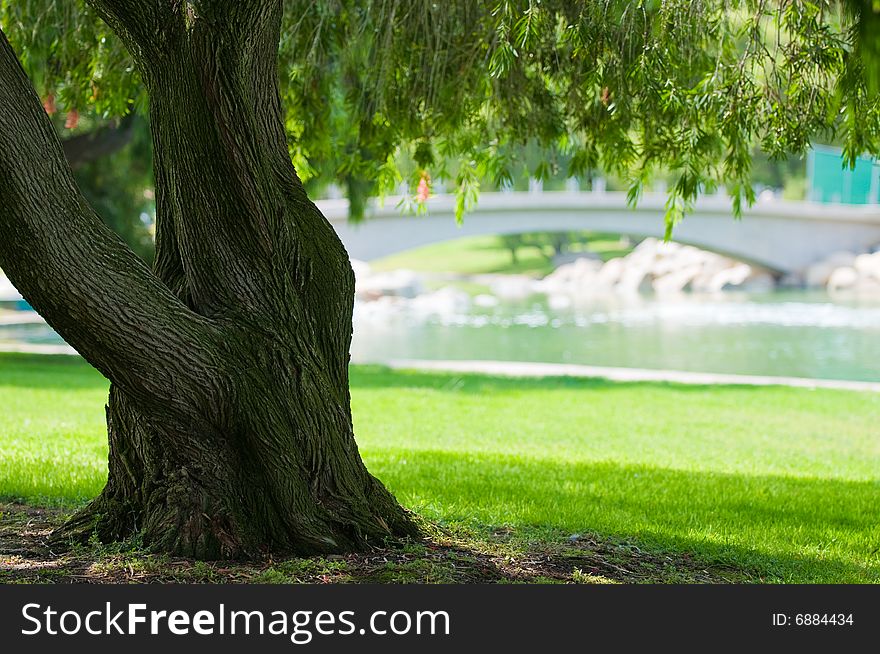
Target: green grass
{"points": [[478, 255], [53, 445], [782, 483]]}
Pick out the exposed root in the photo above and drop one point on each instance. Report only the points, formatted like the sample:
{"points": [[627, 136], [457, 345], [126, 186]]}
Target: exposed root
{"points": [[216, 536]]}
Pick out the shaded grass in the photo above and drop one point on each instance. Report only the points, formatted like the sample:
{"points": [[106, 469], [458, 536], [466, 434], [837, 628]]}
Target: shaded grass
{"points": [[779, 484], [453, 554], [782, 528]]}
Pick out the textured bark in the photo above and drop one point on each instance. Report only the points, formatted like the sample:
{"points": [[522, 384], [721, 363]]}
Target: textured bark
{"points": [[229, 416]]}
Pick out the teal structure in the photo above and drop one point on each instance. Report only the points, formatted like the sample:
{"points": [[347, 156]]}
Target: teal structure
{"points": [[830, 180]]}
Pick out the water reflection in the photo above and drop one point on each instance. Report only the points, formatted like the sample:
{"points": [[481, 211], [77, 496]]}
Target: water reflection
{"points": [[799, 334], [781, 333]]}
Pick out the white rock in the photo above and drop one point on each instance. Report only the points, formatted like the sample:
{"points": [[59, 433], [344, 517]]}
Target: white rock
{"points": [[767, 195], [649, 244], [817, 275], [444, 301], [843, 278], [512, 287], [676, 281], [634, 279], [868, 265], [378, 309], [485, 300], [610, 273], [571, 278], [557, 302], [868, 286], [677, 257], [664, 267], [567, 258], [728, 277], [398, 283]]}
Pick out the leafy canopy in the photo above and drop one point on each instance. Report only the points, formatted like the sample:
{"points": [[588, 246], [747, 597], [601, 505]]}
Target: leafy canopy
{"points": [[378, 91]]}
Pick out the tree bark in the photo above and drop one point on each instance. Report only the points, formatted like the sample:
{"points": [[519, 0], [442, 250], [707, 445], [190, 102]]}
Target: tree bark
{"points": [[229, 416]]}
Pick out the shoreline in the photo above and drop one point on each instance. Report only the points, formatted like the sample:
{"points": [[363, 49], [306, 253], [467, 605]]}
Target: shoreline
{"points": [[537, 369]]}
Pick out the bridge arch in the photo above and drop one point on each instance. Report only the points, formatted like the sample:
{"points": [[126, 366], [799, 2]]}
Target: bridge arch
{"points": [[782, 236]]}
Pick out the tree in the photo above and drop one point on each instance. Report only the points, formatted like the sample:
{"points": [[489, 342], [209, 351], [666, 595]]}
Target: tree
{"points": [[229, 420], [512, 243]]}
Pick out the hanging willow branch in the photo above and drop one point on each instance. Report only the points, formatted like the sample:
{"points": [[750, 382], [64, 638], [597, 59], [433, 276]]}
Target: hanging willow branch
{"points": [[382, 90]]}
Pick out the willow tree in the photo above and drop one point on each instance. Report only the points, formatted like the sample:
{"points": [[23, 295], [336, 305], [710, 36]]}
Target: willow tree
{"points": [[229, 423]]}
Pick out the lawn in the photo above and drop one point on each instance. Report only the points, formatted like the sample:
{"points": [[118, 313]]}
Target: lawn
{"points": [[777, 484], [477, 255]]}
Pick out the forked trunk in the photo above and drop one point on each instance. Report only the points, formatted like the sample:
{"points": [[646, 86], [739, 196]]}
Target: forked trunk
{"points": [[229, 416], [279, 473]]}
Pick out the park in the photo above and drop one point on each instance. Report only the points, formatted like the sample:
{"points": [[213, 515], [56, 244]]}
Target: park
{"points": [[555, 292]]}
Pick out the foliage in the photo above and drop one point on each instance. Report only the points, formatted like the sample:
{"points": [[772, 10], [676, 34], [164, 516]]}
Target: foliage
{"points": [[380, 91], [548, 244], [866, 17], [119, 187]]}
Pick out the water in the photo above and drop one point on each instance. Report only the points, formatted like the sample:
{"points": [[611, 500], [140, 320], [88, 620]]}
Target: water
{"points": [[791, 334]]}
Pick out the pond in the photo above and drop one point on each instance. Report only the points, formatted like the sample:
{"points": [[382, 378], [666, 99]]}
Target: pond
{"points": [[801, 334]]}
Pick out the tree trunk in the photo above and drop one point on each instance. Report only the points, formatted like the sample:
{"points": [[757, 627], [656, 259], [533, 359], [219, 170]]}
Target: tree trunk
{"points": [[229, 416]]}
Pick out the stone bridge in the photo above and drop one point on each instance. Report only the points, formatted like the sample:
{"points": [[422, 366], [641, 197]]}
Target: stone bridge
{"points": [[780, 235]]}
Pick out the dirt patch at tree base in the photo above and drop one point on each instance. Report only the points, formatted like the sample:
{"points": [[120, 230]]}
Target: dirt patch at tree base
{"points": [[448, 555]]}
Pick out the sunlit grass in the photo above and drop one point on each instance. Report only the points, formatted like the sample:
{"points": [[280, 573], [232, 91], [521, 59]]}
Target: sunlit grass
{"points": [[53, 444], [781, 482], [477, 255]]}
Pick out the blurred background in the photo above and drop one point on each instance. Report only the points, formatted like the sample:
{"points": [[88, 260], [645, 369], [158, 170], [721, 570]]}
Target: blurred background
{"points": [[770, 295]]}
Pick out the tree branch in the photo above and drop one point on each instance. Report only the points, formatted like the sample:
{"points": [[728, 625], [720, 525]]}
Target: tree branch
{"points": [[145, 26], [94, 291], [244, 15]]}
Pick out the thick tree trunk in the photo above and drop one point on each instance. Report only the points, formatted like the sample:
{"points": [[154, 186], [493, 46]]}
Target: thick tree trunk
{"points": [[283, 475], [229, 416]]}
